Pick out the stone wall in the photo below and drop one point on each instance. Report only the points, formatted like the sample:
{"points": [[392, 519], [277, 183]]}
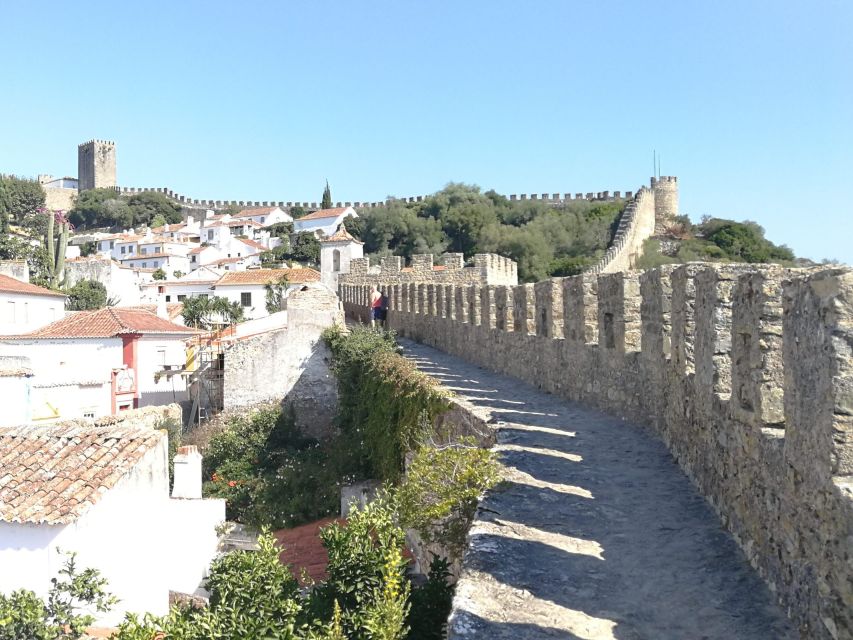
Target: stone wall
{"points": [[96, 164], [744, 371], [17, 269], [488, 269], [290, 364]]}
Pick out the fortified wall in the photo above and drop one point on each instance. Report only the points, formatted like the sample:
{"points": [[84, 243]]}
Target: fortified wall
{"points": [[553, 199], [745, 371], [488, 268]]}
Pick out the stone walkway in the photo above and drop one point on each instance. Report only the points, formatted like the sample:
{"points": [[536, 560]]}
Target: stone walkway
{"points": [[596, 534]]}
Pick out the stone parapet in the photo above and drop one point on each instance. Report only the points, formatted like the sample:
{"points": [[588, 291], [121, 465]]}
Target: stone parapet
{"points": [[745, 371]]}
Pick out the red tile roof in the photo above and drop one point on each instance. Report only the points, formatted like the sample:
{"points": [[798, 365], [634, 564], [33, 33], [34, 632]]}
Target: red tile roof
{"points": [[229, 260], [323, 213], [341, 235], [264, 276], [54, 474], [106, 323], [10, 285], [304, 550], [253, 243], [258, 211], [173, 309]]}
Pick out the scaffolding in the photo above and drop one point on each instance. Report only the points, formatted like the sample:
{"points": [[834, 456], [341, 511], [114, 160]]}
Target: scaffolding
{"points": [[206, 370]]}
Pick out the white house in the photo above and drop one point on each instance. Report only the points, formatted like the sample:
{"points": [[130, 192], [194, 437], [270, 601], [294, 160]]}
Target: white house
{"points": [[325, 221], [122, 282], [25, 307], [103, 493], [265, 216], [195, 283], [168, 262], [249, 287], [204, 255], [96, 363], [336, 253]]}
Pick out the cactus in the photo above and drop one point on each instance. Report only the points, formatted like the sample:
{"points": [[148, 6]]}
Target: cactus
{"points": [[56, 252]]}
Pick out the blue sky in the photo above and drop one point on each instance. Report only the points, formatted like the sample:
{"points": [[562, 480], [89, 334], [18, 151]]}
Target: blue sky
{"points": [[750, 104]]}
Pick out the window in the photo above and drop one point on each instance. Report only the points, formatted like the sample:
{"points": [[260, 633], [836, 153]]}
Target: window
{"points": [[144, 265], [122, 249], [168, 298], [10, 313], [210, 235], [143, 251], [262, 220], [246, 298], [192, 258], [181, 297], [336, 260], [112, 244]]}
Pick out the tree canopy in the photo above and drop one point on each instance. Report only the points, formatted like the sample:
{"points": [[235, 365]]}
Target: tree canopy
{"points": [[327, 197], [87, 295], [545, 240], [106, 208]]}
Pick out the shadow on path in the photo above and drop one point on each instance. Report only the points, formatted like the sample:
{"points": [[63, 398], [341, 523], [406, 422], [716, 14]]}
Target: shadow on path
{"points": [[595, 533]]}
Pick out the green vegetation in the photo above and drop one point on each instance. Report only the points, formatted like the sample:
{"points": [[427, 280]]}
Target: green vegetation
{"points": [[159, 274], [544, 240], [326, 202], [715, 240], [301, 247], [74, 596], [386, 406], [97, 208], [87, 295], [268, 472], [208, 312], [20, 199], [274, 293]]}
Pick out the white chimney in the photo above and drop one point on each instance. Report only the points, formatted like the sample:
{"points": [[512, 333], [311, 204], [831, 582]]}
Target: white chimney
{"points": [[162, 311], [187, 478]]}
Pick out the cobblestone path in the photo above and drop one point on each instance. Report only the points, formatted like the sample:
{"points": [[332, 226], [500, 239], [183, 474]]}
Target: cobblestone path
{"points": [[596, 534]]}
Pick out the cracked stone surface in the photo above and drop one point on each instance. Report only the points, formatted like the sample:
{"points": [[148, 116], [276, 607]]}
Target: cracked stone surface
{"points": [[595, 533]]}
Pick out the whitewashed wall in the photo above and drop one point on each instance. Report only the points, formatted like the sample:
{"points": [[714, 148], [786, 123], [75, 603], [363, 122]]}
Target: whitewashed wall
{"points": [[22, 313]]}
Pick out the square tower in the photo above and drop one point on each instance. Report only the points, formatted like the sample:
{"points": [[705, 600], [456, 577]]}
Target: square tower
{"points": [[96, 165]]}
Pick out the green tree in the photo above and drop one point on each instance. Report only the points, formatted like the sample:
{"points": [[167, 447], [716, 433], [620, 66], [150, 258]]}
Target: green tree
{"points": [[275, 292], [158, 220], [100, 208], [67, 612], [147, 205], [19, 198], [87, 295], [327, 197], [207, 312], [297, 212], [306, 248], [159, 274]]}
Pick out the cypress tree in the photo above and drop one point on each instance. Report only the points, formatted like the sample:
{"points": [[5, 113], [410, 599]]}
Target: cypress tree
{"points": [[327, 197]]}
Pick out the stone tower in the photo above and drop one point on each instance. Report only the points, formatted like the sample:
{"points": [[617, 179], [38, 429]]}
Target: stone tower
{"points": [[336, 253], [96, 165], [666, 201]]}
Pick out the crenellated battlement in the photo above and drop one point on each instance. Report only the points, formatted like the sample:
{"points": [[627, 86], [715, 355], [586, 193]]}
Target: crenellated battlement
{"points": [[107, 143], [743, 370], [488, 269], [554, 199]]}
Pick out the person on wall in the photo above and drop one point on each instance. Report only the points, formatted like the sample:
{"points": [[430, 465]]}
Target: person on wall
{"points": [[375, 306]]}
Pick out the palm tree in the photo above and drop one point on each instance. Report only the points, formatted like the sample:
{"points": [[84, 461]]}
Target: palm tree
{"points": [[207, 312]]}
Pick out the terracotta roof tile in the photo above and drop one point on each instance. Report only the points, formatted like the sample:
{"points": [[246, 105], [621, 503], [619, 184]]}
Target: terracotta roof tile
{"points": [[303, 549], [53, 474], [173, 309], [105, 323], [323, 213], [341, 235], [253, 243], [10, 285], [258, 211], [264, 276]]}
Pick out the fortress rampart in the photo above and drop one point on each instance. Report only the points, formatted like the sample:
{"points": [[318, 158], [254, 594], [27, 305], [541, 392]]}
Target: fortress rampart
{"points": [[488, 269], [554, 199], [744, 371]]}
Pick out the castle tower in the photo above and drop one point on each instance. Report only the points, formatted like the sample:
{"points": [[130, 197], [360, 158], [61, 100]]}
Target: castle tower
{"points": [[96, 165], [336, 253], [665, 189]]}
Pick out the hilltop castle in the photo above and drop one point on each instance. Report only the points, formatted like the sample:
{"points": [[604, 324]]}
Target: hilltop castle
{"points": [[649, 211]]}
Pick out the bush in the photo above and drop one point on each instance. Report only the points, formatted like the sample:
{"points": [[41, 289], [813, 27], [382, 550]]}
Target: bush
{"points": [[386, 406], [87, 295], [439, 494], [268, 473], [431, 604], [25, 615]]}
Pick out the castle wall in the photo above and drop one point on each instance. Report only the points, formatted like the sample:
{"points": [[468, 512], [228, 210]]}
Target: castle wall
{"points": [[636, 225], [744, 371], [488, 269]]}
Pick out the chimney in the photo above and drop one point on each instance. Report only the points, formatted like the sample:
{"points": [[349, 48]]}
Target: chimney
{"points": [[187, 478]]}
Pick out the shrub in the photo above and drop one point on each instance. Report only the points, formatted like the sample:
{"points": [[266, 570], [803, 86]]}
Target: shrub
{"points": [[439, 494], [173, 431], [431, 604], [25, 615], [386, 405]]}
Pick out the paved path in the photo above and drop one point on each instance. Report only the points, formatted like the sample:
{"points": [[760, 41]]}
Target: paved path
{"points": [[597, 534]]}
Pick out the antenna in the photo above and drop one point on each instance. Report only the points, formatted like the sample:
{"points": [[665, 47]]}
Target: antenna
{"points": [[654, 163]]}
